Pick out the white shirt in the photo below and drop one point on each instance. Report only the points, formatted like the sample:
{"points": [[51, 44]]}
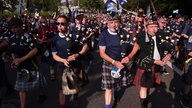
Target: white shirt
{"points": [[156, 54]]}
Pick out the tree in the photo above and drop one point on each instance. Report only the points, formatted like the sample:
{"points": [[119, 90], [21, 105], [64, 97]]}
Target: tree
{"points": [[44, 5], [9, 5], [91, 5]]}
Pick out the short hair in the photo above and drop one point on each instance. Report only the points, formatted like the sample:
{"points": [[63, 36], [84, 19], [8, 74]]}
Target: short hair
{"points": [[14, 21], [84, 16], [79, 17], [65, 17]]}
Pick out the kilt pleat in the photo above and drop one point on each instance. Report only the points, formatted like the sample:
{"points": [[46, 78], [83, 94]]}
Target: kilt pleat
{"points": [[139, 74], [30, 85], [108, 82]]}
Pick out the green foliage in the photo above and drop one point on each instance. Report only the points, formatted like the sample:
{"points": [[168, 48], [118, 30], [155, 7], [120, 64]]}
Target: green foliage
{"points": [[9, 5], [162, 6], [44, 5], [90, 4], [9, 14]]}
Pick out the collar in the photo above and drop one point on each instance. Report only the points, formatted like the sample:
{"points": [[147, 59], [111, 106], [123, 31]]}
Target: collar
{"points": [[153, 37], [111, 32], [63, 35]]}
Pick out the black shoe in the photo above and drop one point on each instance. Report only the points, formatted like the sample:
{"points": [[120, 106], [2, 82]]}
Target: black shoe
{"points": [[185, 103], [144, 103], [116, 99], [143, 106], [75, 103], [74, 100], [42, 99]]}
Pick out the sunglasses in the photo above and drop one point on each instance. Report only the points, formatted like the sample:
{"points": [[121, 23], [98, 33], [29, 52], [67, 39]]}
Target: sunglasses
{"points": [[62, 23], [163, 22]]}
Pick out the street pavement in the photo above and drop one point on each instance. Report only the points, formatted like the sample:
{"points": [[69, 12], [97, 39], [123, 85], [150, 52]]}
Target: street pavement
{"points": [[91, 96]]}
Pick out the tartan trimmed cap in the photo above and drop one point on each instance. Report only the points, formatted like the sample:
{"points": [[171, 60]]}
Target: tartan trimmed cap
{"points": [[113, 16]]}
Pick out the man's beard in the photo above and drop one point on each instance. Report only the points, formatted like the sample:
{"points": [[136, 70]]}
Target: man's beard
{"points": [[114, 30]]}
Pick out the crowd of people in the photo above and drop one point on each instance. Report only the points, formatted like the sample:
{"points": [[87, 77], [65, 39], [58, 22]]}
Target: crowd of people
{"points": [[67, 42]]}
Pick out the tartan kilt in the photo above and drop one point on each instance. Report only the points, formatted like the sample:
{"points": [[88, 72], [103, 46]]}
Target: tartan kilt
{"points": [[140, 75], [108, 82], [30, 85], [59, 77]]}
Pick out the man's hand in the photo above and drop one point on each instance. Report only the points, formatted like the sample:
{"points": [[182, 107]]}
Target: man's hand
{"points": [[190, 54], [159, 62], [125, 60], [167, 57], [118, 65], [15, 62], [73, 57], [65, 62]]}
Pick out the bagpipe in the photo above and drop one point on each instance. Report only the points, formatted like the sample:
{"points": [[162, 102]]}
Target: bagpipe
{"points": [[74, 77], [69, 82], [188, 60], [26, 75], [126, 48], [124, 74], [27, 70], [73, 80], [187, 48]]}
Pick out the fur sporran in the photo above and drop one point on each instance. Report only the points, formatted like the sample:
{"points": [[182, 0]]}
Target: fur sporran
{"points": [[69, 82], [25, 75]]}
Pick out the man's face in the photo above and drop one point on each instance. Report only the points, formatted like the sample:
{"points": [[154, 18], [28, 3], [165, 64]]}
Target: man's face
{"points": [[113, 25], [16, 29], [77, 21], [84, 21], [43, 23], [152, 29], [62, 25], [162, 23]]}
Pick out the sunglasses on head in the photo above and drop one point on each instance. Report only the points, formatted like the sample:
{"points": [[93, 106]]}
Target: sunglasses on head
{"points": [[62, 23]]}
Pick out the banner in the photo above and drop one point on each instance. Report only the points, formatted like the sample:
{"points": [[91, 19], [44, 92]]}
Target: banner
{"points": [[148, 11], [121, 2], [176, 11], [75, 12], [114, 5]]}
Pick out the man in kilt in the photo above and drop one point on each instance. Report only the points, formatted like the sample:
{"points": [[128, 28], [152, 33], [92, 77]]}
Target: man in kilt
{"points": [[22, 48], [110, 48], [149, 59], [166, 45], [66, 49], [187, 75]]}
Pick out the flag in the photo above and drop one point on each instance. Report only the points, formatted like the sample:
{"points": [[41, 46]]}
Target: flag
{"points": [[108, 1], [115, 1], [112, 7], [176, 11], [121, 2], [74, 14], [148, 11], [105, 1]]}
